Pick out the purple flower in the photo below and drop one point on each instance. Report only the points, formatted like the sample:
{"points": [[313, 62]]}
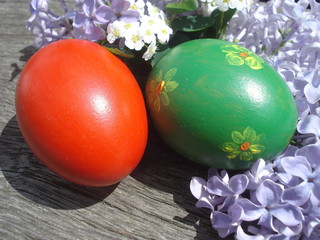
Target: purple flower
{"points": [[38, 8], [223, 223], [258, 172], [312, 89], [311, 152], [310, 180], [228, 189], [267, 206], [119, 10], [199, 190], [310, 54], [310, 124], [46, 25], [86, 23], [312, 227]]}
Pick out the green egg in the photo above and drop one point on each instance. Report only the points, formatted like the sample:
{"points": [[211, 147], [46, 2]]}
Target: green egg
{"points": [[220, 105]]}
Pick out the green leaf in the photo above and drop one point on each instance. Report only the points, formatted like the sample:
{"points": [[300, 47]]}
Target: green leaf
{"points": [[182, 6], [237, 137], [170, 74], [192, 23], [170, 86], [221, 20], [120, 52]]}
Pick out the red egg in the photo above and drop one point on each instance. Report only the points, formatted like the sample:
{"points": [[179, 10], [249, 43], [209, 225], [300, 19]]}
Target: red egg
{"points": [[82, 112]]}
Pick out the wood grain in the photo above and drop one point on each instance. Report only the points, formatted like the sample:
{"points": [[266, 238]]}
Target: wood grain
{"points": [[154, 202]]}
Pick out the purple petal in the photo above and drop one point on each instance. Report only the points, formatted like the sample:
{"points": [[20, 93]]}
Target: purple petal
{"points": [[222, 223], [130, 16], [247, 210], [224, 176], [269, 193], [316, 191], [238, 183], [80, 20], [311, 223], [257, 166], [197, 187], [204, 202], [241, 235], [88, 7], [310, 124], [296, 166], [266, 221], [104, 14], [303, 108], [297, 195], [312, 94], [93, 32], [287, 179], [209, 202], [287, 232], [217, 187], [288, 214], [220, 220], [228, 201], [213, 172], [311, 153], [120, 6]]}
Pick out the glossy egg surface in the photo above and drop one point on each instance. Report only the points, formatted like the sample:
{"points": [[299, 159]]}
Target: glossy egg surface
{"points": [[82, 112], [220, 105]]}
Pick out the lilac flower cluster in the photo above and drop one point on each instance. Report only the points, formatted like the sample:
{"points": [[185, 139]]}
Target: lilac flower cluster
{"points": [[131, 24], [280, 199], [137, 25]]}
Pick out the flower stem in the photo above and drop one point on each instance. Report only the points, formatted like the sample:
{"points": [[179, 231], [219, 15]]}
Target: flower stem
{"points": [[220, 26], [64, 6]]}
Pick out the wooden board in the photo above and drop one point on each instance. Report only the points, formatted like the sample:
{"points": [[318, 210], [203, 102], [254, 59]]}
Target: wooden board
{"points": [[154, 202]]}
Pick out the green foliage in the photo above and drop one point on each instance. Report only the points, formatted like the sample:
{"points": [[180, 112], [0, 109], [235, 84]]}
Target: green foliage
{"points": [[189, 27], [182, 6], [191, 23]]}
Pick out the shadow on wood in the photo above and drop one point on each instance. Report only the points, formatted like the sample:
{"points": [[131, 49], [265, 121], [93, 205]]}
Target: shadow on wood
{"points": [[34, 181], [165, 170], [27, 52]]}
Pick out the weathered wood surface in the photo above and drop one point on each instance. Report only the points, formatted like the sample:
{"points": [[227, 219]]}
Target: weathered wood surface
{"points": [[154, 202]]}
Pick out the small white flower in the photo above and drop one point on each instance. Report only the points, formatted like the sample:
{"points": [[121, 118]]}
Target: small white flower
{"points": [[134, 40], [130, 27], [224, 5], [147, 33], [163, 33], [207, 8], [138, 5], [150, 52], [153, 10], [150, 20], [115, 30], [148, 28]]}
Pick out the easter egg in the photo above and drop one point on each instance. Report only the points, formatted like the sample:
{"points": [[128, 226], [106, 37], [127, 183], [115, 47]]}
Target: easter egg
{"points": [[82, 113], [219, 104]]}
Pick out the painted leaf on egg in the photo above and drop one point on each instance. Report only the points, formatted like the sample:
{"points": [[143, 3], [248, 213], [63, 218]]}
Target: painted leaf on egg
{"points": [[160, 86], [237, 55], [244, 145]]}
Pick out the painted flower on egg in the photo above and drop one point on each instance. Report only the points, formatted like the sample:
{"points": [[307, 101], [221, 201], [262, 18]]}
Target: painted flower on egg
{"points": [[160, 86], [237, 55], [244, 145]]}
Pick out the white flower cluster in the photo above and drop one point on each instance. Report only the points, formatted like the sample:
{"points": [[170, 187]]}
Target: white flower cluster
{"points": [[150, 29], [208, 6], [133, 24]]}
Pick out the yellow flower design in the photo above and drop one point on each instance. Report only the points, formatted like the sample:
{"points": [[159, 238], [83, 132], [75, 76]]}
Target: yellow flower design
{"points": [[237, 55], [244, 145], [160, 86]]}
